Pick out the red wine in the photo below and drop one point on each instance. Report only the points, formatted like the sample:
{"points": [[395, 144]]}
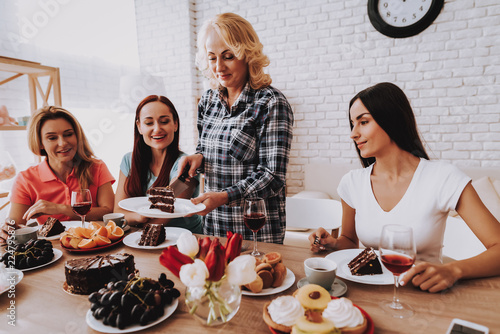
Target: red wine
{"points": [[396, 263], [81, 209], [254, 221]]}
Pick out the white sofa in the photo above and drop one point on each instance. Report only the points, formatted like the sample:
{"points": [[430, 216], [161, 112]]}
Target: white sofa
{"points": [[322, 180]]}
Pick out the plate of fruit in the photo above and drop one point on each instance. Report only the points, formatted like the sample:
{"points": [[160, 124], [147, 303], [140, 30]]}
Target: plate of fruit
{"points": [[132, 305], [31, 255], [91, 238]]}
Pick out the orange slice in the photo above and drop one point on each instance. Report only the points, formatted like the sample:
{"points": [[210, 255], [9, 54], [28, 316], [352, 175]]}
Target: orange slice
{"points": [[101, 231], [101, 241], [116, 234], [111, 224], [87, 243], [94, 226], [82, 232]]}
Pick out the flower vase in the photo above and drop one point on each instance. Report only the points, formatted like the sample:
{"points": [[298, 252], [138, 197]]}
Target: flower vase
{"points": [[215, 303]]}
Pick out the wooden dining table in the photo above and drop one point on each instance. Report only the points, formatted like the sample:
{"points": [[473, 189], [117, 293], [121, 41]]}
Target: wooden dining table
{"points": [[43, 306]]}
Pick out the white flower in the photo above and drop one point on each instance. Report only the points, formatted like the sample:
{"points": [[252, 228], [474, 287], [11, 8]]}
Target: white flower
{"points": [[241, 270], [194, 274], [188, 244]]}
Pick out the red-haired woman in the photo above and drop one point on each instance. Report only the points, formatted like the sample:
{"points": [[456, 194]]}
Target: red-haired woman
{"points": [[154, 159]]}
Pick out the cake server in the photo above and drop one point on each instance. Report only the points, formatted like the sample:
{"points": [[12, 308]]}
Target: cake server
{"points": [[183, 183]]}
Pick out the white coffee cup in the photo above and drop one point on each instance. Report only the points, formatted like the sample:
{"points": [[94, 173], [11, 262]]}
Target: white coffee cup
{"points": [[118, 218], [22, 235], [320, 271]]}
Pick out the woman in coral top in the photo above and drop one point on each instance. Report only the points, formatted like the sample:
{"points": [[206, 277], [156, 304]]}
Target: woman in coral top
{"points": [[45, 189]]}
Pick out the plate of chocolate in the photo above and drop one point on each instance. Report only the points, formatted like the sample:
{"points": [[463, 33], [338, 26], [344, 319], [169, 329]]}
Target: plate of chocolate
{"points": [[154, 236], [361, 266], [160, 206]]}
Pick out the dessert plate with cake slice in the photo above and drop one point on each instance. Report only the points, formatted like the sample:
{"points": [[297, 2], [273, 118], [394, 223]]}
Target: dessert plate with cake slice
{"points": [[141, 205], [288, 282], [344, 256], [66, 224], [171, 236], [98, 325]]}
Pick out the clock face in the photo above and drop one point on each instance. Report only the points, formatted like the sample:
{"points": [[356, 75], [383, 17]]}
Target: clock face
{"points": [[403, 18], [403, 13]]}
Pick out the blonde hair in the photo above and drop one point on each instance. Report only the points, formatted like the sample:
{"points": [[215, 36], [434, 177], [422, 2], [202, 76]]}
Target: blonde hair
{"points": [[242, 40], [84, 156]]}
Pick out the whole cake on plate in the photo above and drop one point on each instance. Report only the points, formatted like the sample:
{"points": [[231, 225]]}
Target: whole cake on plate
{"points": [[86, 275], [365, 263], [161, 198], [51, 227], [152, 235]]}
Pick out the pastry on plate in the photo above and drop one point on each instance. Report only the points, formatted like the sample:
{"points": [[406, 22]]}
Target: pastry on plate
{"points": [[282, 313], [347, 317], [314, 323], [313, 297]]}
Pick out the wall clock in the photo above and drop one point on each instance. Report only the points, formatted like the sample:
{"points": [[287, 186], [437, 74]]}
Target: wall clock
{"points": [[403, 18]]}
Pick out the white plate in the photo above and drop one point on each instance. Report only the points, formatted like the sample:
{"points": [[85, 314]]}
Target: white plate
{"points": [[288, 282], [57, 255], [66, 224], [140, 205], [18, 275], [100, 327], [172, 234], [344, 256]]}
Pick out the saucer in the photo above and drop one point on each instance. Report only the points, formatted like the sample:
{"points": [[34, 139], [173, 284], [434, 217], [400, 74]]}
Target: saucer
{"points": [[338, 289]]}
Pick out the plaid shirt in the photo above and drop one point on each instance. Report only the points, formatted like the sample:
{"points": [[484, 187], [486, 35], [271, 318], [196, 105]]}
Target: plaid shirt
{"points": [[246, 151]]}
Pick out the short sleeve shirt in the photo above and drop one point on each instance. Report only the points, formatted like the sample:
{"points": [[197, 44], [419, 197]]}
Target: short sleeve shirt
{"points": [[40, 183], [433, 191]]}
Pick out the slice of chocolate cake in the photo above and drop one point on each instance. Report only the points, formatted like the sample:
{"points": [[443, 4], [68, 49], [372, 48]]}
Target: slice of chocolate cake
{"points": [[366, 263], [51, 227], [161, 198], [152, 235], [86, 275]]}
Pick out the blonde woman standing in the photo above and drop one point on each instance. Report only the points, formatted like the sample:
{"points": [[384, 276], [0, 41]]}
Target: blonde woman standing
{"points": [[245, 131]]}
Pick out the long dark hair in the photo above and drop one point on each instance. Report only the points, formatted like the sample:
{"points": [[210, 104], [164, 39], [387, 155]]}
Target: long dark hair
{"points": [[138, 178], [390, 108]]}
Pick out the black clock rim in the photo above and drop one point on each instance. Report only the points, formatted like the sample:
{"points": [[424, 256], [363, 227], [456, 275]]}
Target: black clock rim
{"points": [[403, 32]]}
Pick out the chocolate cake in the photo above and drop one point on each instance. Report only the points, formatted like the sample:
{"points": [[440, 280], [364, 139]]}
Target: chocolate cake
{"points": [[366, 263], [152, 235], [51, 227], [161, 198], [86, 275]]}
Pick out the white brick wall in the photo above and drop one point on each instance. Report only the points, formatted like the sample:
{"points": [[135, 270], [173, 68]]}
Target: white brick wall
{"points": [[322, 52]]}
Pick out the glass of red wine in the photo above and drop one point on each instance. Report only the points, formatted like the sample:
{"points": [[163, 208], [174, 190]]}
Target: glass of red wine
{"points": [[81, 201], [254, 215], [397, 251]]}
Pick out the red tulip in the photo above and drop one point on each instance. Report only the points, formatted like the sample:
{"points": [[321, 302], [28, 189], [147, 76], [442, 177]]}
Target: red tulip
{"points": [[216, 260], [233, 245], [204, 247], [173, 260]]}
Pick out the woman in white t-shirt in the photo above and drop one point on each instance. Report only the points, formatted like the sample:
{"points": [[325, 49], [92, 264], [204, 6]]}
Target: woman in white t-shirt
{"points": [[399, 185]]}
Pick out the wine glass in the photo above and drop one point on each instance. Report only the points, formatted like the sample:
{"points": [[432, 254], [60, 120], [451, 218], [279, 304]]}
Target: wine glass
{"points": [[254, 215], [81, 201], [398, 252]]}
